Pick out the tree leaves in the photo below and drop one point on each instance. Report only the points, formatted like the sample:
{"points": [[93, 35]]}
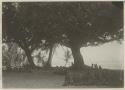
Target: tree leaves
{"points": [[81, 22]]}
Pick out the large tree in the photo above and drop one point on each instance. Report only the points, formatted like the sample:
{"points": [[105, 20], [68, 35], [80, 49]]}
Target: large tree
{"points": [[74, 24], [86, 23], [17, 28], [91, 23], [80, 24]]}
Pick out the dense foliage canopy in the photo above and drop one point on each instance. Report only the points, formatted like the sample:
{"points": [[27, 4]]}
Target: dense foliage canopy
{"points": [[73, 24]]}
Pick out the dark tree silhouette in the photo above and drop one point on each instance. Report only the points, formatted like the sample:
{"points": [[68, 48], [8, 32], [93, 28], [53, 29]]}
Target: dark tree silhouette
{"points": [[73, 24], [82, 24], [48, 64], [17, 29], [91, 24]]}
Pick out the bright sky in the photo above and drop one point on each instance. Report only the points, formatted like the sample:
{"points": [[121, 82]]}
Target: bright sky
{"points": [[108, 55]]}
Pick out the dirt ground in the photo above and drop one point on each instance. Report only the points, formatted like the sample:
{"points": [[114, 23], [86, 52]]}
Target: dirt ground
{"points": [[42, 79]]}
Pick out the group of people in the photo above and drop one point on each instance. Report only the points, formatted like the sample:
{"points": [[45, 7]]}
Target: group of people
{"points": [[95, 66]]}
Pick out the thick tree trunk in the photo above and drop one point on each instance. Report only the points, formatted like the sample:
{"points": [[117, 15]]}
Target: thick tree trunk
{"points": [[48, 64], [29, 57], [78, 59], [24, 46]]}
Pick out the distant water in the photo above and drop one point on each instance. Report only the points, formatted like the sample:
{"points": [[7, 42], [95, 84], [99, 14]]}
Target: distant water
{"points": [[109, 56]]}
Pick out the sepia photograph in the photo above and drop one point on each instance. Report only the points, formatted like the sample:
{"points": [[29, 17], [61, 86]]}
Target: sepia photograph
{"points": [[66, 44]]}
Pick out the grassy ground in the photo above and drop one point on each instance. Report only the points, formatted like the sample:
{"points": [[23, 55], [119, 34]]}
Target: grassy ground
{"points": [[31, 80], [37, 79]]}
